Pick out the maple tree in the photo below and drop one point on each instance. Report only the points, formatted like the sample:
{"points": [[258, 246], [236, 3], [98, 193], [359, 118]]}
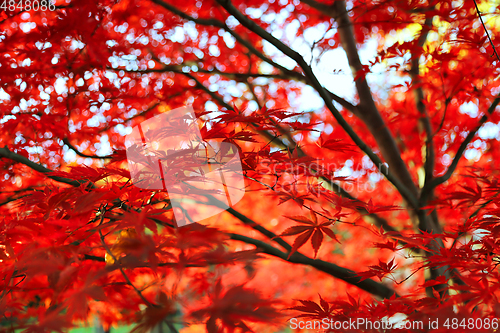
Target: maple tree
{"points": [[378, 204]]}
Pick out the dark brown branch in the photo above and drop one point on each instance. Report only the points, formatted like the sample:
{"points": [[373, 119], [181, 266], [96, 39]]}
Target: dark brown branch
{"points": [[12, 199], [374, 288], [321, 7], [68, 143], [5, 152], [419, 100], [367, 109], [143, 113], [370, 115], [232, 75], [427, 222]]}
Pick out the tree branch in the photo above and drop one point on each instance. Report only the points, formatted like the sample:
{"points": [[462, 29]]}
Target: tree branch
{"points": [[419, 100], [463, 146], [338, 272], [5, 152], [367, 109], [141, 114], [68, 143]]}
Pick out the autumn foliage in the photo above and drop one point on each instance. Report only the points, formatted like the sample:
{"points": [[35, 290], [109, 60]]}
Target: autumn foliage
{"points": [[369, 138]]}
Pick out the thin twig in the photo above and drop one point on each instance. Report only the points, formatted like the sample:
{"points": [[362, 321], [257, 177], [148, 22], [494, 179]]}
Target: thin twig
{"points": [[486, 30]]}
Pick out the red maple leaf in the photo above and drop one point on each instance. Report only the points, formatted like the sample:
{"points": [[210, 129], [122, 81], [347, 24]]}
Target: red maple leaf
{"points": [[231, 309], [311, 229]]}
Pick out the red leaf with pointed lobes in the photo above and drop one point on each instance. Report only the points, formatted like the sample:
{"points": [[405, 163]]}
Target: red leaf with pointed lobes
{"points": [[155, 314], [317, 239], [234, 307], [380, 270], [300, 240], [302, 219], [330, 233], [294, 230], [313, 310], [312, 229], [336, 145], [391, 245]]}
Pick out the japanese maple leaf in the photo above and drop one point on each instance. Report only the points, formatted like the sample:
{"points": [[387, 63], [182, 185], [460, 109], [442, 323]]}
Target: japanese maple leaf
{"points": [[380, 270], [291, 194], [469, 195], [391, 245], [310, 230], [313, 310], [336, 145], [154, 315], [232, 308], [374, 209]]}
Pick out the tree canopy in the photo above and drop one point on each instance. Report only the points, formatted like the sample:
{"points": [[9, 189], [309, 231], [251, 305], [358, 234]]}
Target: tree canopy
{"points": [[368, 137]]}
